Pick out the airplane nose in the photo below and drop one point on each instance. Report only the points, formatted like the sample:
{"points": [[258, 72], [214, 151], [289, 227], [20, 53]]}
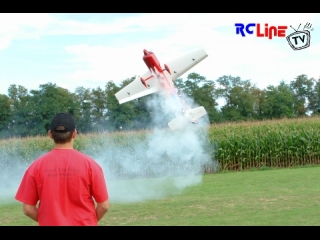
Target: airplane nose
{"points": [[145, 52]]}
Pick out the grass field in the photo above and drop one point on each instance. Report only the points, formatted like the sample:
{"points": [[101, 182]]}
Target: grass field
{"points": [[279, 197]]}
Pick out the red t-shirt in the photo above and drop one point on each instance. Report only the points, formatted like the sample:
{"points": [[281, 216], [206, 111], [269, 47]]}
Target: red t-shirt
{"points": [[65, 181]]}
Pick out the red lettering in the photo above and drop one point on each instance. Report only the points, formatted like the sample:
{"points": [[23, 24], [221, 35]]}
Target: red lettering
{"points": [[258, 31], [281, 31], [274, 31], [266, 30]]}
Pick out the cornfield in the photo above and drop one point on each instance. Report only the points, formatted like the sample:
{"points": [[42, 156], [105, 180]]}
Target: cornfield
{"points": [[274, 144], [230, 147]]}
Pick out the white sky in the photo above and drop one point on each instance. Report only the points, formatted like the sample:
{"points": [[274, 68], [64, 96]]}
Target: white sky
{"points": [[88, 50]]}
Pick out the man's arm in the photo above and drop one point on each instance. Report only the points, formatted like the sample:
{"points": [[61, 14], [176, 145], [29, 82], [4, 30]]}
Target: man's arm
{"points": [[102, 209], [31, 211]]}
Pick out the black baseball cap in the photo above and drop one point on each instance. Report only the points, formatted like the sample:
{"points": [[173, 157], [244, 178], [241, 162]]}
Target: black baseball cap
{"points": [[62, 122]]}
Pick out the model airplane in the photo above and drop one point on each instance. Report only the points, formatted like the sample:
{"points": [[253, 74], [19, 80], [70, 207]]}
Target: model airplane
{"points": [[161, 79]]}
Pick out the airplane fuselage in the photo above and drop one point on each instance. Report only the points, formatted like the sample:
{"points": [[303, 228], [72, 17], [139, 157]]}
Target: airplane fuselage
{"points": [[153, 64], [151, 61]]}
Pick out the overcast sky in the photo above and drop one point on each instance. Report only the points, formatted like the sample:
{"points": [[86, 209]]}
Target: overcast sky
{"points": [[88, 50]]}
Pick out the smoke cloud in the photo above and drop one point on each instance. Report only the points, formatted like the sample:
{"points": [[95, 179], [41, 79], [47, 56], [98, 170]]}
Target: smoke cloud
{"points": [[163, 164], [12, 168]]}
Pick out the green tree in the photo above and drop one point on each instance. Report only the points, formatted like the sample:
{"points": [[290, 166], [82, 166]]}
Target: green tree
{"points": [[83, 117], [259, 104], [302, 88], [99, 109], [5, 111], [18, 94], [33, 112], [20, 112], [239, 98], [279, 101], [313, 97], [119, 116], [48, 101], [179, 84]]}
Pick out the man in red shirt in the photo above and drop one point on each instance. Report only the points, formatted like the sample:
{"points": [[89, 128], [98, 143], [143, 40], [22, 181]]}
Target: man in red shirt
{"points": [[64, 186]]}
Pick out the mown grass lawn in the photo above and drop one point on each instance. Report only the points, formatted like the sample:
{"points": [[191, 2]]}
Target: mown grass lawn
{"points": [[279, 197]]}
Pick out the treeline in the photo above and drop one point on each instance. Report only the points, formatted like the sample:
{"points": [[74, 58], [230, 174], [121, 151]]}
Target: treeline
{"points": [[28, 113]]}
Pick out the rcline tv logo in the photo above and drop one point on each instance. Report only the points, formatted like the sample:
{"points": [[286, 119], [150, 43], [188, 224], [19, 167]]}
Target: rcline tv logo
{"points": [[279, 31], [300, 39]]}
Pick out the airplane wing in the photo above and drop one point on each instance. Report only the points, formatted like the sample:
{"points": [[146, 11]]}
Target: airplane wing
{"points": [[136, 89], [177, 67], [181, 65]]}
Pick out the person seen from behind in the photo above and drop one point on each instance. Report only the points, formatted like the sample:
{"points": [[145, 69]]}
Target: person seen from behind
{"points": [[64, 187]]}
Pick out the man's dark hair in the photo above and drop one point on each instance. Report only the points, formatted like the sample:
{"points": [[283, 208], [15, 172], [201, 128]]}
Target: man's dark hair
{"points": [[61, 137]]}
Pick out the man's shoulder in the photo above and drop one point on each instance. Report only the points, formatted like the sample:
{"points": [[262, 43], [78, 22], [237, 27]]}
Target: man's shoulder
{"points": [[40, 158], [84, 156], [81, 154]]}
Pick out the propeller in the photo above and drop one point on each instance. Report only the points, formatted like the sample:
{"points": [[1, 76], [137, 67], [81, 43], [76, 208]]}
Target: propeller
{"points": [[148, 51]]}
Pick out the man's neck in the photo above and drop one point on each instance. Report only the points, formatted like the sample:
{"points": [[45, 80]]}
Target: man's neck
{"points": [[64, 145]]}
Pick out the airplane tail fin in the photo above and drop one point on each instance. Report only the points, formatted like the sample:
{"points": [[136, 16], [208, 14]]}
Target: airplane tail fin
{"points": [[179, 122], [195, 113], [191, 115]]}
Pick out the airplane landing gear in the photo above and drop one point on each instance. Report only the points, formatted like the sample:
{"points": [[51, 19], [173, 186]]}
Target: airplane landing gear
{"points": [[143, 82], [167, 68]]}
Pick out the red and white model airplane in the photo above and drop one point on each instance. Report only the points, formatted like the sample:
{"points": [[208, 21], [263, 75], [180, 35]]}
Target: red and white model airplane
{"points": [[161, 79]]}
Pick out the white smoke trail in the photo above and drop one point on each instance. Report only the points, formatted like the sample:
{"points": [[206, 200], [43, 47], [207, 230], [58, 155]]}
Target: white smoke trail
{"points": [[165, 163]]}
